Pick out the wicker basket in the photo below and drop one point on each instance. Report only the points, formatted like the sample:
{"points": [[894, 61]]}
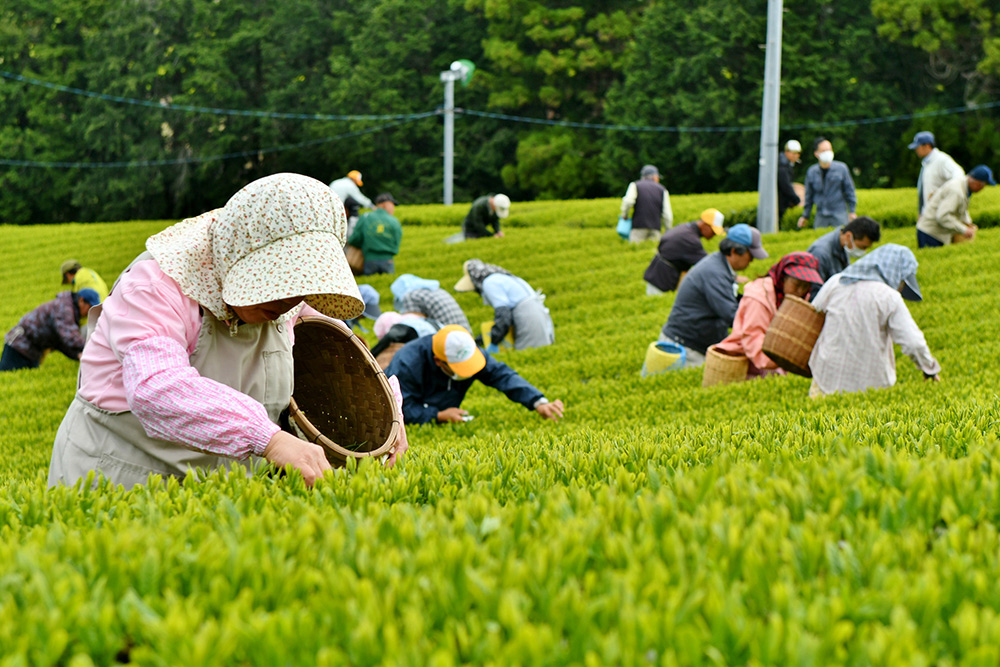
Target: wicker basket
{"points": [[793, 332], [723, 367], [342, 398]]}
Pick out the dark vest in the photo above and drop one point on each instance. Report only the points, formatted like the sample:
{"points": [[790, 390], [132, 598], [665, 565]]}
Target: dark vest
{"points": [[648, 211]]}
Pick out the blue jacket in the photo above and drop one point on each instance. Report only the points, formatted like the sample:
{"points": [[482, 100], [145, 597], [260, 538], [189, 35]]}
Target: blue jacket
{"points": [[833, 194], [705, 305], [427, 390]]}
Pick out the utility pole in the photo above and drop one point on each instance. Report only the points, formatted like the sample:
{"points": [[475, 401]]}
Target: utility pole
{"points": [[461, 70], [767, 182]]}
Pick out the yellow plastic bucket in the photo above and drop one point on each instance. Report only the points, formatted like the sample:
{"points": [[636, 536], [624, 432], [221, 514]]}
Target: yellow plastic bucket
{"points": [[486, 327], [661, 357]]}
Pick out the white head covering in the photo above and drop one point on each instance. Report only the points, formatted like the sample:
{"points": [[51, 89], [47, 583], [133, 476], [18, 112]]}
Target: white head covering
{"points": [[280, 236]]}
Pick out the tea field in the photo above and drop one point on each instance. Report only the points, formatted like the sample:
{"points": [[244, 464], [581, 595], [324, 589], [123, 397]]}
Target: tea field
{"points": [[659, 523]]}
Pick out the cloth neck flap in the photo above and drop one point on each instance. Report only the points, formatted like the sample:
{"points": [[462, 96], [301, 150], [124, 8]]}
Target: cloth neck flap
{"points": [[891, 264], [480, 271], [780, 269]]}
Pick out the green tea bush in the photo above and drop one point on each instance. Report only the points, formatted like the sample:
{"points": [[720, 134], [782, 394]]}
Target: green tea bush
{"points": [[659, 523]]}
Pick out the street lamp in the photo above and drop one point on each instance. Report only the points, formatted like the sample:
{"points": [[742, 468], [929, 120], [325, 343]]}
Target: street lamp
{"points": [[460, 70]]}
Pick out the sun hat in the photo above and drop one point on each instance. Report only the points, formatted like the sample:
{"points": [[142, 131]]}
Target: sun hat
{"points": [[793, 146], [90, 296], [921, 138], [501, 204], [747, 236], [408, 282], [355, 176], [983, 173], [892, 264], [465, 283], [385, 322], [371, 298], [455, 346], [68, 266], [713, 218], [279, 237]]}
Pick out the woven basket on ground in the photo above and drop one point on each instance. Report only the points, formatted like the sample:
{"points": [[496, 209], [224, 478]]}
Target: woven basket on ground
{"points": [[343, 400], [793, 332], [723, 367]]}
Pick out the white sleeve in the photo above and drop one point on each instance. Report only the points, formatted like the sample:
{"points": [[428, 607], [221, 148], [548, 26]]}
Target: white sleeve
{"points": [[668, 213], [909, 337], [628, 201]]}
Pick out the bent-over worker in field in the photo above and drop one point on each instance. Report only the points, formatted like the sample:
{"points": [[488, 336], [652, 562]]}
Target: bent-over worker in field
{"points": [[865, 315], [190, 364], [435, 372], [793, 275], [79, 278], [412, 294], [707, 299], [394, 330], [680, 248], [485, 213], [54, 325], [835, 249], [515, 304], [946, 218]]}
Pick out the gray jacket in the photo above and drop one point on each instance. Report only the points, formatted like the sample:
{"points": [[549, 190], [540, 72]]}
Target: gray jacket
{"points": [[833, 194], [705, 305]]}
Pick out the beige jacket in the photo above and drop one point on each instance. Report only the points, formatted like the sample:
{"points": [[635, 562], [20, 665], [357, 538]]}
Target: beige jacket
{"points": [[938, 169], [947, 212]]}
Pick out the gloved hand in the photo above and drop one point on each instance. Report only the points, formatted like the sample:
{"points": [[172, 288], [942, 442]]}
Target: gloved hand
{"points": [[492, 348]]}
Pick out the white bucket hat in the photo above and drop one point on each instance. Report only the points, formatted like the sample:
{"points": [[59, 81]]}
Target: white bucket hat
{"points": [[281, 236]]}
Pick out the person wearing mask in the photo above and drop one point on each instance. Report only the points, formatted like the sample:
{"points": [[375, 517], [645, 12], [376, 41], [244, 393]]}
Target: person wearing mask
{"points": [[190, 363], [650, 205], [707, 300], [378, 235], [515, 304], [54, 325], [486, 213], [680, 248], [348, 189], [435, 372], [835, 249], [787, 159], [865, 315], [946, 216], [936, 167], [795, 274], [830, 188]]}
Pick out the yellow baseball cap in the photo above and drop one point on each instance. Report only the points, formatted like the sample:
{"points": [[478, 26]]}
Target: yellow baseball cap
{"points": [[455, 346]]}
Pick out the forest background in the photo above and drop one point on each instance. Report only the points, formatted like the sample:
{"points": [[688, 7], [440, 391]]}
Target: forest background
{"points": [[662, 63]]}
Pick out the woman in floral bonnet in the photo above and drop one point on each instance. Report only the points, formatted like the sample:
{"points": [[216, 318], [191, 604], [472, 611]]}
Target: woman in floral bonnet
{"points": [[190, 363]]}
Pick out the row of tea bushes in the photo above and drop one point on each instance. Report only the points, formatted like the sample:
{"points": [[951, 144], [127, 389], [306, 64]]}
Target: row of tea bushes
{"points": [[659, 523]]}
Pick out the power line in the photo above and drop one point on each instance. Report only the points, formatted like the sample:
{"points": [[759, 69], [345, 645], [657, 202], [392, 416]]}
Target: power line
{"points": [[166, 106], [727, 128], [212, 158]]}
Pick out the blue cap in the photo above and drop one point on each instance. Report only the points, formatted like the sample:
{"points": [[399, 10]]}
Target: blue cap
{"points": [[983, 173], [919, 138], [747, 236], [90, 296], [371, 298]]}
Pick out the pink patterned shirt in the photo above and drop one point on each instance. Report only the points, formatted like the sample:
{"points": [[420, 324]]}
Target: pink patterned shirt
{"points": [[138, 360]]}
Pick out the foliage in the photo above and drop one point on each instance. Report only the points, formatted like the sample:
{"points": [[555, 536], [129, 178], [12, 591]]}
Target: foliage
{"points": [[659, 523]]}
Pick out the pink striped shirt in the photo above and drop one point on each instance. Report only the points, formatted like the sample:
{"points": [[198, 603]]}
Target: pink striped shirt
{"points": [[138, 360]]}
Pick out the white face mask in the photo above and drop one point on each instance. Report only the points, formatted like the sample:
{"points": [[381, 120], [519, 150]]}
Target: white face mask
{"points": [[853, 252], [826, 157]]}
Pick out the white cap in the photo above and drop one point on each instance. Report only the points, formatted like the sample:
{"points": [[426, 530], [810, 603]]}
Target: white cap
{"points": [[793, 145], [501, 204]]}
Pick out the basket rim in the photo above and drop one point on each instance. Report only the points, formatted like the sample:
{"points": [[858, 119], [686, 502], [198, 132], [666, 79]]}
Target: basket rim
{"points": [[311, 432]]}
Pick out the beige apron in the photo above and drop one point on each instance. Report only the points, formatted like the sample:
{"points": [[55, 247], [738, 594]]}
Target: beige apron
{"points": [[256, 362]]}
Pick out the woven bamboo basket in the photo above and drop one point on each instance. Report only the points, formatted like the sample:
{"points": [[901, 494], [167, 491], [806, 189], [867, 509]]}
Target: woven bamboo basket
{"points": [[793, 332], [343, 400], [723, 367]]}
